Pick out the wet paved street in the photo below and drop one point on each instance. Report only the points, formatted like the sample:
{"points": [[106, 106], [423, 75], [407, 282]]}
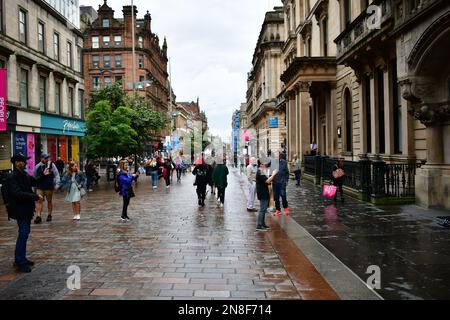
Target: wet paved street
{"points": [[170, 250], [406, 242]]}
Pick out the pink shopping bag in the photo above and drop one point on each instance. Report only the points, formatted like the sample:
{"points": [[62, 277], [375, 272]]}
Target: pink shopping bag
{"points": [[329, 191]]}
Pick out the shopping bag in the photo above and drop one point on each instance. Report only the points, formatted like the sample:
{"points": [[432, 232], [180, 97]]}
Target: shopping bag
{"points": [[329, 191]]}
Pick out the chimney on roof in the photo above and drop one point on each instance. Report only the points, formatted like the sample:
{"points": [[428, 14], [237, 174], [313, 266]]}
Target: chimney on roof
{"points": [[148, 22], [127, 19]]}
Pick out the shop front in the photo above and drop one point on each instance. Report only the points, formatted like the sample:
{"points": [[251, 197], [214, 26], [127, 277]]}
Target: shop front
{"points": [[62, 137]]}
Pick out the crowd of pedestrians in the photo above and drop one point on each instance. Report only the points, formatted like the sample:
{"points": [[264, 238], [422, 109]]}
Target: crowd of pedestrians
{"points": [[25, 195]]}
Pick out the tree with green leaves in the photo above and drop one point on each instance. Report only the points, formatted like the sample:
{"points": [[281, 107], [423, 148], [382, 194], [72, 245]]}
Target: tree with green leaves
{"points": [[110, 133], [113, 93], [146, 121], [120, 125]]}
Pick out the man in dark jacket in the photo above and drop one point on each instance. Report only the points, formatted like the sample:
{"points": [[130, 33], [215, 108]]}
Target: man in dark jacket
{"points": [[279, 184], [20, 204]]}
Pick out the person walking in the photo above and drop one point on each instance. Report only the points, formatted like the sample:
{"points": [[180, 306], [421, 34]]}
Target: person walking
{"points": [[296, 163], [221, 182], [74, 182], [167, 171], [60, 166], [338, 175], [125, 180], [90, 175], [252, 169], [279, 185], [262, 189], [178, 167], [48, 180], [211, 168], [201, 180], [153, 170], [20, 204]]}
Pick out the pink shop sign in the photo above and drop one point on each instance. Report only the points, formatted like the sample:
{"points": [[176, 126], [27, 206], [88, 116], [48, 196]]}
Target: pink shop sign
{"points": [[3, 100]]}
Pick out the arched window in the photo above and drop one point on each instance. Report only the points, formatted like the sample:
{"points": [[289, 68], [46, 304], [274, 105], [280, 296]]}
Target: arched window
{"points": [[348, 121]]}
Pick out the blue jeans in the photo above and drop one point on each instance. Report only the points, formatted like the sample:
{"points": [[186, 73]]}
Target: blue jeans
{"points": [[262, 213], [89, 180], [279, 190], [21, 244], [155, 178], [298, 175]]}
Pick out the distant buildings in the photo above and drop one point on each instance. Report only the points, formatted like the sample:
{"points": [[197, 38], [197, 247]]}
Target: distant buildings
{"points": [[108, 55]]}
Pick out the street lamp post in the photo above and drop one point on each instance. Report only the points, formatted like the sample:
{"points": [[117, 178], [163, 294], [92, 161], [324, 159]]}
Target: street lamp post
{"points": [[133, 46]]}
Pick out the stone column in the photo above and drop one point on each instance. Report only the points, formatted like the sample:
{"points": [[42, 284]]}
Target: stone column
{"points": [[435, 145], [374, 115], [388, 111], [303, 125], [333, 121]]}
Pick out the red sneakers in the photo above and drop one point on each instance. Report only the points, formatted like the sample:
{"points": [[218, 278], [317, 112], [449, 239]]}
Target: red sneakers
{"points": [[278, 212], [286, 211]]}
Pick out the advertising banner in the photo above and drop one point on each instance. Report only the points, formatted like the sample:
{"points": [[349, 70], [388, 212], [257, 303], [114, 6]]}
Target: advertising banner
{"points": [[20, 143], [3, 117], [30, 153]]}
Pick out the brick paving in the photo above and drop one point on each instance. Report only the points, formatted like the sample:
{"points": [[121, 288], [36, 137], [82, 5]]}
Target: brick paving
{"points": [[170, 250]]}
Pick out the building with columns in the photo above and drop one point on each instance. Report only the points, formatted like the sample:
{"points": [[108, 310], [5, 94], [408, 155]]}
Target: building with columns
{"points": [[41, 49], [264, 85], [395, 100], [309, 75], [108, 55], [365, 80]]}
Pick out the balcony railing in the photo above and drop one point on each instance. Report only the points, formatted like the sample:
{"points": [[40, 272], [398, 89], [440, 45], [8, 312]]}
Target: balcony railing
{"points": [[364, 26]]}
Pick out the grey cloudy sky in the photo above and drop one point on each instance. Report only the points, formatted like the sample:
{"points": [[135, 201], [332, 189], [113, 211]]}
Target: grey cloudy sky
{"points": [[211, 44]]}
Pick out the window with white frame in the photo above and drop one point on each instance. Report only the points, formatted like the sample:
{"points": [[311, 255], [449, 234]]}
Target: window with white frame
{"points": [[56, 46], [57, 97], [118, 41], [41, 37], [106, 61], [42, 92], [24, 88], [22, 26], [69, 55], [95, 42], [106, 40]]}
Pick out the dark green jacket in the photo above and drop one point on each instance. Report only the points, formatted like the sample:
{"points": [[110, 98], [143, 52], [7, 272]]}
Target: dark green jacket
{"points": [[220, 176]]}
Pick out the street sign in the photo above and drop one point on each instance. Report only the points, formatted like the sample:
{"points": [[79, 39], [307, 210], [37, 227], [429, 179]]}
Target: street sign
{"points": [[273, 123]]}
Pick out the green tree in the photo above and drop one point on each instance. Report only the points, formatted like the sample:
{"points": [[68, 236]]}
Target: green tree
{"points": [[113, 93], [110, 133], [146, 121]]}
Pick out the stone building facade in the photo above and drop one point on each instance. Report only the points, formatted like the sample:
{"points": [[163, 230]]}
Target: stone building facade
{"points": [[264, 85], [108, 55], [399, 88], [41, 50], [367, 79]]}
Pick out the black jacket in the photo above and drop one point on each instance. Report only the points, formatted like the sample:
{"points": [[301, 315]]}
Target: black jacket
{"points": [[21, 199]]}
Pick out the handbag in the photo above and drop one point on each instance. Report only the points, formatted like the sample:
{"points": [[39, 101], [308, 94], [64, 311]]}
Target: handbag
{"points": [[339, 173], [82, 192], [329, 191]]}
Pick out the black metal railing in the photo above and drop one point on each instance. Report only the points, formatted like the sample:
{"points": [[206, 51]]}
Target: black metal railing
{"points": [[372, 178], [310, 165]]}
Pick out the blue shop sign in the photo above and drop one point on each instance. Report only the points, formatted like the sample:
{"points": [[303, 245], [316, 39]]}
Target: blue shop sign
{"points": [[62, 126], [273, 123]]}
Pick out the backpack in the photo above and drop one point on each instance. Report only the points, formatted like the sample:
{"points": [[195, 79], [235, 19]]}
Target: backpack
{"points": [[117, 184]]}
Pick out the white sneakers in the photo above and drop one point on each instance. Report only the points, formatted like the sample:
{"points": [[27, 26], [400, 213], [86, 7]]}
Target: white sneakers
{"points": [[77, 217]]}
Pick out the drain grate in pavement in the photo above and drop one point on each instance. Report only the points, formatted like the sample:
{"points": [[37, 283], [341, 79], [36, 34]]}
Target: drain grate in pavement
{"points": [[45, 282]]}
